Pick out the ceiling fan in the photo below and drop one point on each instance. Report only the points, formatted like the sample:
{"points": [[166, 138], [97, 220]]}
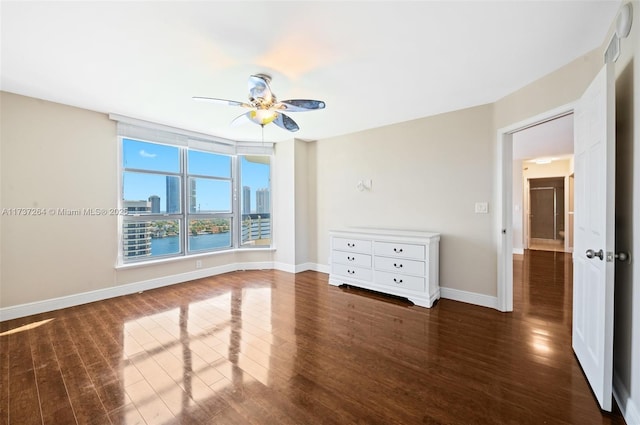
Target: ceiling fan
{"points": [[265, 108]]}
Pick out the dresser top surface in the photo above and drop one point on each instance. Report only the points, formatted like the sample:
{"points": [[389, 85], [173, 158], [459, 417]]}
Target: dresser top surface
{"points": [[384, 232]]}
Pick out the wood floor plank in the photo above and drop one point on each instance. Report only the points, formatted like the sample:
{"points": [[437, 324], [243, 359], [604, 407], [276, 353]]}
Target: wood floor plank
{"points": [[24, 400], [4, 379], [84, 398], [24, 403], [55, 404], [264, 347]]}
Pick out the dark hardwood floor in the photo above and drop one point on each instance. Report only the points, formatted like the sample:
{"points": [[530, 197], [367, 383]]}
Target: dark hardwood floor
{"points": [[268, 347]]}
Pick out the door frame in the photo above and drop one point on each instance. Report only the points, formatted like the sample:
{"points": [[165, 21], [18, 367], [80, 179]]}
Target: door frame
{"points": [[504, 219]]}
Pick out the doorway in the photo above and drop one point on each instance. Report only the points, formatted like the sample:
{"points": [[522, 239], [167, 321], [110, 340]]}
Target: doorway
{"points": [[511, 211], [542, 163], [546, 214]]}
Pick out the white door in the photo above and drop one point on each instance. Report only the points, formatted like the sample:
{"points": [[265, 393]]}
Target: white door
{"points": [[594, 234]]}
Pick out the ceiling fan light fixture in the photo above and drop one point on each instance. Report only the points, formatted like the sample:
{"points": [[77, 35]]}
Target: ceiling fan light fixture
{"points": [[263, 116], [542, 161]]}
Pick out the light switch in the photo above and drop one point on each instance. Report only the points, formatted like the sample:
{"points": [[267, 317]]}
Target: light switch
{"points": [[482, 207]]}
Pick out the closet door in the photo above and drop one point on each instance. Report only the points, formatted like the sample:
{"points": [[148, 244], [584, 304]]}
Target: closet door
{"points": [[542, 212]]}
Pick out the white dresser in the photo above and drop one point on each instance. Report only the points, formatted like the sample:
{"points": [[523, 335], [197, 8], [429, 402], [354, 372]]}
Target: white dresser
{"points": [[398, 262]]}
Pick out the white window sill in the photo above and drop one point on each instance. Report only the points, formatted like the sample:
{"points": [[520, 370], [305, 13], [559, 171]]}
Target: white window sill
{"points": [[133, 265]]}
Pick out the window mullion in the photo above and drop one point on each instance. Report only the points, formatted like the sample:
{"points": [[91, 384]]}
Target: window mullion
{"points": [[237, 210], [184, 168]]}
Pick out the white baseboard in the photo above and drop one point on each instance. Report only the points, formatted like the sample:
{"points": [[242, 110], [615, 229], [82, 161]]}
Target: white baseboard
{"points": [[322, 268], [629, 410], [304, 267], [313, 267], [298, 268], [28, 309], [289, 268], [469, 297], [518, 251], [264, 265], [22, 310]]}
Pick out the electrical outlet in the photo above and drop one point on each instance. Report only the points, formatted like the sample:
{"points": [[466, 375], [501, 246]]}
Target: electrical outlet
{"points": [[198, 264]]}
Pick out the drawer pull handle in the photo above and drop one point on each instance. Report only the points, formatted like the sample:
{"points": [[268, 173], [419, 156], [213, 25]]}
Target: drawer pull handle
{"points": [[351, 258], [351, 245], [397, 250], [397, 266], [397, 280], [351, 271]]}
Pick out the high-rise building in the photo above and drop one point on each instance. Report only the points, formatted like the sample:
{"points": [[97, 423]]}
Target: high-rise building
{"points": [[136, 235], [263, 205], [155, 203], [136, 207], [173, 194], [246, 200], [192, 196]]}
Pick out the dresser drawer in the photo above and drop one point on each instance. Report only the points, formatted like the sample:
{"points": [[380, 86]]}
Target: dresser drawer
{"points": [[352, 245], [400, 250], [351, 271], [351, 259], [401, 265], [400, 281], [399, 262]]}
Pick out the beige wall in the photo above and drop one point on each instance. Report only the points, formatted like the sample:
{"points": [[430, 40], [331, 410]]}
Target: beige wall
{"points": [[284, 213], [54, 156], [560, 168], [426, 174], [292, 204], [302, 212], [57, 156], [559, 88], [522, 171]]}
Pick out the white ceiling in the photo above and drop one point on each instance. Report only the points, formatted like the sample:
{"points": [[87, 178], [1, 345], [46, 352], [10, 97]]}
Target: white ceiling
{"points": [[552, 139], [373, 63]]}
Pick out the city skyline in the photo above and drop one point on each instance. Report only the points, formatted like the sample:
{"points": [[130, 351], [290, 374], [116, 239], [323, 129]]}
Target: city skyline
{"points": [[210, 174], [262, 201]]}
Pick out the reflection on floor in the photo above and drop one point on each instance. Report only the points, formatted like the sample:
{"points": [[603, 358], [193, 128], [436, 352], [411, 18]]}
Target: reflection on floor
{"points": [[269, 347], [556, 245]]}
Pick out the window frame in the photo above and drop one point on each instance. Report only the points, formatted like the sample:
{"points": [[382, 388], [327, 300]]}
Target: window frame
{"points": [[185, 216], [240, 206], [209, 215]]}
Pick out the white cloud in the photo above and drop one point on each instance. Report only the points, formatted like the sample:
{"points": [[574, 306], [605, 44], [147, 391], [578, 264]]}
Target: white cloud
{"points": [[145, 154]]}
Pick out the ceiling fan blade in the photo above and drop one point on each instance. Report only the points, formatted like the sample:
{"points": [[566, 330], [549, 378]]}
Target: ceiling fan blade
{"points": [[285, 122], [259, 88], [221, 101], [300, 105], [241, 120]]}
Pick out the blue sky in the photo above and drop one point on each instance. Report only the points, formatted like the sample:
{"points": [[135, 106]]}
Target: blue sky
{"points": [[212, 195]]}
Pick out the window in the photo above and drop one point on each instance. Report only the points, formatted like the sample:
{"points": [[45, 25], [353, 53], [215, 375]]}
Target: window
{"points": [[209, 200], [151, 196], [255, 201], [181, 201]]}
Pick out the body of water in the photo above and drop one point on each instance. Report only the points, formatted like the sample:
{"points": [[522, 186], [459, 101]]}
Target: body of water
{"points": [[171, 244]]}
